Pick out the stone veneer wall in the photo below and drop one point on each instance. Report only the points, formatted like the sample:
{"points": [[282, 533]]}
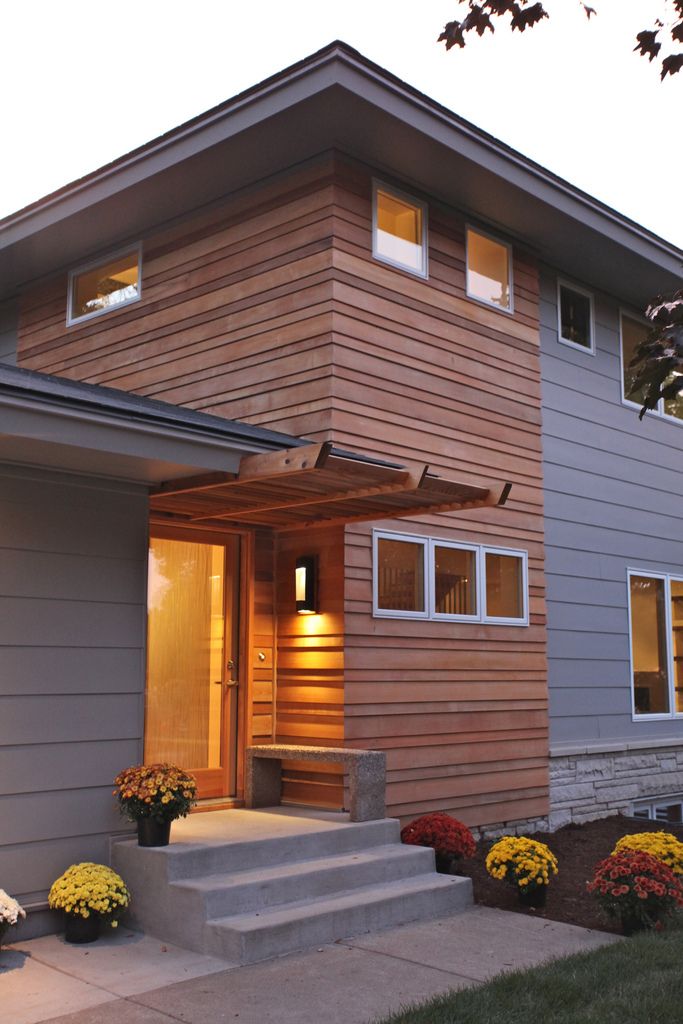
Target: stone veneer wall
{"points": [[595, 784]]}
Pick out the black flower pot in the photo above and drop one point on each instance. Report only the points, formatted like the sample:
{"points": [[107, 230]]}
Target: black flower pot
{"points": [[532, 896], [153, 833], [79, 929], [445, 862]]}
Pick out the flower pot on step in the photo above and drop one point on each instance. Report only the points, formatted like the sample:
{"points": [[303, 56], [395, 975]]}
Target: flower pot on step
{"points": [[153, 833]]}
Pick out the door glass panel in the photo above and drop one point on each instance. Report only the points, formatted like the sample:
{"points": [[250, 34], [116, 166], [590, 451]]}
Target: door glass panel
{"points": [[648, 637], [455, 581], [186, 653]]}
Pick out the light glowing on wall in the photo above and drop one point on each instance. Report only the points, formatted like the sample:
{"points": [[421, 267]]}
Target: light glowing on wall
{"points": [[306, 585]]}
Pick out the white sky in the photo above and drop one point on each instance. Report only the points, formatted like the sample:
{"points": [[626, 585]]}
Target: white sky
{"points": [[82, 83]]}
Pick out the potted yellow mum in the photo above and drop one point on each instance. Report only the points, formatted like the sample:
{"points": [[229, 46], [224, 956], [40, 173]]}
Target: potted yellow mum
{"points": [[90, 895], [524, 863], [154, 795]]}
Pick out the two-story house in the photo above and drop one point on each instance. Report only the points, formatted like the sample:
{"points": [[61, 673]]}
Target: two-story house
{"points": [[330, 329]]}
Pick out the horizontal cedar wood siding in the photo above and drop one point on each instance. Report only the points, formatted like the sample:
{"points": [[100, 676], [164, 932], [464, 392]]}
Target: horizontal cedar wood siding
{"points": [[424, 374], [271, 309]]}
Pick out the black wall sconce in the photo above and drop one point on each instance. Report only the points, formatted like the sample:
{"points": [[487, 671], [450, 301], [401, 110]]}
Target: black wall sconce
{"points": [[306, 585]]}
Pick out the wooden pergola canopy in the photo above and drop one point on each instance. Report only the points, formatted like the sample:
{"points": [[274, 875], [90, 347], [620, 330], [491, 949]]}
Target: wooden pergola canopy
{"points": [[316, 485]]}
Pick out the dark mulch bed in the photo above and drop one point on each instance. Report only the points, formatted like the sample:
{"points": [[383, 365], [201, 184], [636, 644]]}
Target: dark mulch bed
{"points": [[578, 849]]}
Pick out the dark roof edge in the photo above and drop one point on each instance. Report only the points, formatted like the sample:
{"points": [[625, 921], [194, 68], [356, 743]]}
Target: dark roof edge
{"points": [[93, 398], [338, 50]]}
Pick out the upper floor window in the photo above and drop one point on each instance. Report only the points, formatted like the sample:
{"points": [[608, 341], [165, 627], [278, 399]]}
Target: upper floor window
{"points": [[489, 270], [103, 285], [656, 620], [429, 578], [575, 317], [399, 230], [633, 332]]}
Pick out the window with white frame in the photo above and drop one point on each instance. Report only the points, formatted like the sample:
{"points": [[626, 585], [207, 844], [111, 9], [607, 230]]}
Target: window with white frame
{"points": [[656, 626], [489, 270], [633, 331], [575, 317], [429, 578], [399, 229], [663, 808], [104, 285]]}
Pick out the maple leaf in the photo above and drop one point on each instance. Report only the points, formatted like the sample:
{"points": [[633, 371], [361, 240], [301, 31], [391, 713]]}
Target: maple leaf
{"points": [[647, 44], [527, 17], [478, 19], [677, 32], [452, 35], [589, 10], [672, 64]]}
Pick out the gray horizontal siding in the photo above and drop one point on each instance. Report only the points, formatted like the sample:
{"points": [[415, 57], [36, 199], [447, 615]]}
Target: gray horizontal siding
{"points": [[72, 621], [613, 489]]}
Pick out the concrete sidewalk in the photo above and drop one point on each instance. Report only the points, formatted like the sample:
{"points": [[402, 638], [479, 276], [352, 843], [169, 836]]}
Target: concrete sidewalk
{"points": [[128, 978]]}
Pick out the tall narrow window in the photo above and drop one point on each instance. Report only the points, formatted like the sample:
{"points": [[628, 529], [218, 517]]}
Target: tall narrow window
{"points": [[455, 581], [575, 309], [505, 590], [649, 655], [677, 639], [100, 287], [401, 576], [400, 230], [489, 266]]}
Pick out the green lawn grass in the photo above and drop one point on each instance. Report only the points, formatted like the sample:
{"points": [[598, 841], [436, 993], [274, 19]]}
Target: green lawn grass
{"points": [[637, 981]]}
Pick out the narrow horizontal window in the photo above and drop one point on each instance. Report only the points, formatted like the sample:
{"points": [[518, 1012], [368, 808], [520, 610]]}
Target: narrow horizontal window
{"points": [[575, 309], [489, 267], [427, 578], [101, 287], [400, 576], [649, 656], [400, 230], [505, 587]]}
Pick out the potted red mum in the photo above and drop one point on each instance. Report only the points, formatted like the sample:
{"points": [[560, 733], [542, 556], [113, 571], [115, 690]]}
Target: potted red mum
{"points": [[450, 839], [637, 888]]}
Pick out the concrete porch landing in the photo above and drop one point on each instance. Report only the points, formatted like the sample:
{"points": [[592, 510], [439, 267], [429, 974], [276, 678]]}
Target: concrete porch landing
{"points": [[247, 885]]}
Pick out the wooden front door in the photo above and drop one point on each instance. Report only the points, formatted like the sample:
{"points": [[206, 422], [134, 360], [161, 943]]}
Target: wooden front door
{"points": [[192, 658]]}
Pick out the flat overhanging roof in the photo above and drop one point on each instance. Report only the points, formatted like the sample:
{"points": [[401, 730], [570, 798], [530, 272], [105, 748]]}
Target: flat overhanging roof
{"points": [[337, 99]]}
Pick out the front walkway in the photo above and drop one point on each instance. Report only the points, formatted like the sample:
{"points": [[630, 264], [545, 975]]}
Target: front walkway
{"points": [[127, 978]]}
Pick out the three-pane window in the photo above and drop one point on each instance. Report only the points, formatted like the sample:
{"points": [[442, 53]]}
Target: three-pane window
{"points": [[100, 287], [428, 578], [656, 620]]}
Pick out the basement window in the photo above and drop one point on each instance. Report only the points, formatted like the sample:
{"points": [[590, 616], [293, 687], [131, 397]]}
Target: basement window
{"points": [[667, 809], [399, 229], [101, 286]]}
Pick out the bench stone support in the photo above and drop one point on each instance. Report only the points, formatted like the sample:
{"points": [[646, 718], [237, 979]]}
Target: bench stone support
{"points": [[366, 770]]}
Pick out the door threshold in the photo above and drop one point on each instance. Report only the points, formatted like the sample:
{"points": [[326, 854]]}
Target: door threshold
{"points": [[220, 803]]}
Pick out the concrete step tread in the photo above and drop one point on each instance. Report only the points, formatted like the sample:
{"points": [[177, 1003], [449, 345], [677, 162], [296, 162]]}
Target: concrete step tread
{"points": [[305, 910], [234, 879]]}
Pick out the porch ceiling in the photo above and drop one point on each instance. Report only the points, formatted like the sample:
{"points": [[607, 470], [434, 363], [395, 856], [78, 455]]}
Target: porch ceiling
{"points": [[315, 485]]}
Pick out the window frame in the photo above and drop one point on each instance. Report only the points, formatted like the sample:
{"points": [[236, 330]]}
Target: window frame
{"points": [[510, 552], [389, 613], [381, 186], [629, 403], [564, 283], [658, 716], [101, 261], [430, 614], [509, 311]]}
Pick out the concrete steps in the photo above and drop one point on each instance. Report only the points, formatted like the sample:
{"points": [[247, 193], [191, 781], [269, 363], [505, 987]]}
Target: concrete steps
{"points": [[258, 884]]}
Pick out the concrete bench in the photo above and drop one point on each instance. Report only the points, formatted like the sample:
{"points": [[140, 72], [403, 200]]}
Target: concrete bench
{"points": [[366, 768]]}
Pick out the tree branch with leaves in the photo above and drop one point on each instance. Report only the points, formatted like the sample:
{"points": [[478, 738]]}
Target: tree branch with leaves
{"points": [[522, 14], [659, 357]]}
